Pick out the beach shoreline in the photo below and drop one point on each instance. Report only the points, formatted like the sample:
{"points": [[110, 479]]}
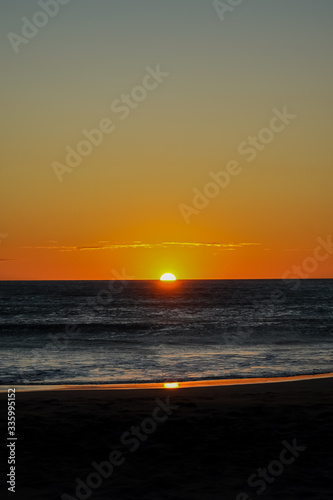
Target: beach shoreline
{"points": [[164, 385]]}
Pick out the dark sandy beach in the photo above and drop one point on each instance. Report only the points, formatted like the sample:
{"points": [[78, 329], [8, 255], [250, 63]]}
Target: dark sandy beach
{"points": [[187, 443]]}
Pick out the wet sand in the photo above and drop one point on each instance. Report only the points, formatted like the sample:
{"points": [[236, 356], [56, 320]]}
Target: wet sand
{"points": [[270, 440]]}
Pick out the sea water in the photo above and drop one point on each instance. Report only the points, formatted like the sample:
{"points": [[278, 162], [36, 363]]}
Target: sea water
{"points": [[63, 332]]}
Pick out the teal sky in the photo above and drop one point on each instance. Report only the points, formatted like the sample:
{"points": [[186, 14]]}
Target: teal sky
{"points": [[265, 52]]}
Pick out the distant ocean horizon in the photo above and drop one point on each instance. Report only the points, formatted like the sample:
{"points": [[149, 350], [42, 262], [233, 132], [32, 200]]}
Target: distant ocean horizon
{"points": [[91, 332]]}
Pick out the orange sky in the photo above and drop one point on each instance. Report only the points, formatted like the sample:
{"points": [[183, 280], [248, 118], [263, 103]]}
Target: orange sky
{"points": [[186, 94]]}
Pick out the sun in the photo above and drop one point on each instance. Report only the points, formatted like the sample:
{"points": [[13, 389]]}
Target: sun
{"points": [[168, 277]]}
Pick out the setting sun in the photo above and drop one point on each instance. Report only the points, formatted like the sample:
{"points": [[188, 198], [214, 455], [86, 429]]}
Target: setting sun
{"points": [[168, 277]]}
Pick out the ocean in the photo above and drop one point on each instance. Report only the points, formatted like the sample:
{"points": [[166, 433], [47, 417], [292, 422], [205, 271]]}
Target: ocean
{"points": [[90, 332]]}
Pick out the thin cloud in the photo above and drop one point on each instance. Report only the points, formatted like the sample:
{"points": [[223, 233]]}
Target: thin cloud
{"points": [[138, 244]]}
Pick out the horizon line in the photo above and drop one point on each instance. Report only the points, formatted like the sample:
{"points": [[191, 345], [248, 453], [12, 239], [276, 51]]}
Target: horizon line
{"points": [[178, 279]]}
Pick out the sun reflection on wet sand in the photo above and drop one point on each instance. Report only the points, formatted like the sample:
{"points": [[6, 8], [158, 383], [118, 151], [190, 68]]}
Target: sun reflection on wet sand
{"points": [[171, 385], [166, 385]]}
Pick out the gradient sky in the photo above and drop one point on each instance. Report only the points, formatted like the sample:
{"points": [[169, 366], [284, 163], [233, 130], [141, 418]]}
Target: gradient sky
{"points": [[119, 209]]}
